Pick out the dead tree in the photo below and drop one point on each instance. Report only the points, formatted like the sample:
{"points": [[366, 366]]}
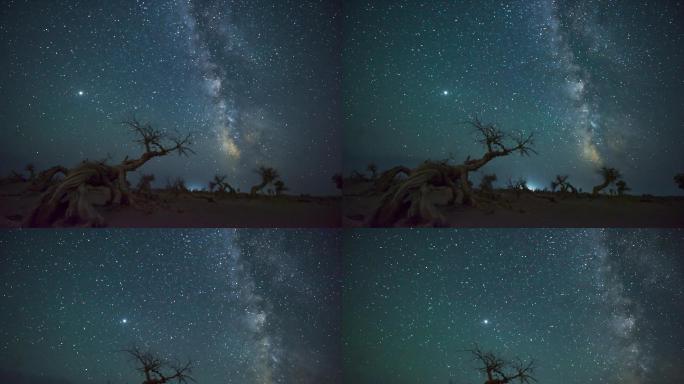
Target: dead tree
{"points": [[220, 185], [65, 202], [387, 178], [338, 180], [562, 184], [157, 370], [280, 187], [487, 182], [609, 175], [31, 169], [622, 187], [268, 175], [144, 187], [415, 189], [679, 179], [500, 371], [373, 169], [46, 178]]}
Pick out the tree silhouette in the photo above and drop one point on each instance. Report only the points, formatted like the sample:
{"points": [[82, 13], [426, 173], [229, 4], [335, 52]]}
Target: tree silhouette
{"points": [[409, 197], [609, 175], [219, 184], [561, 183], [487, 182], [144, 186], [267, 174], [280, 187], [338, 180], [65, 202], [500, 371], [158, 371], [679, 179], [622, 187], [373, 169], [31, 169]]}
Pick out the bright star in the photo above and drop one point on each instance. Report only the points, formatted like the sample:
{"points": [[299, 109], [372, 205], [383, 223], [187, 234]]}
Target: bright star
{"points": [[80, 93], [124, 321], [445, 92], [485, 321]]}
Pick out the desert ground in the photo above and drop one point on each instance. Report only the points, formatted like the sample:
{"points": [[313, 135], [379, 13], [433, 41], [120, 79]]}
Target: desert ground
{"points": [[164, 208], [509, 208]]}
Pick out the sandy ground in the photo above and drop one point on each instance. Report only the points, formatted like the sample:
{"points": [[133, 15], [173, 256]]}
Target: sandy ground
{"points": [[193, 210], [537, 209]]}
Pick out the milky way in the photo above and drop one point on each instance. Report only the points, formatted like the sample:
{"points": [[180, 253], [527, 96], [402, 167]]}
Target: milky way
{"points": [[247, 306], [590, 306], [598, 82]]}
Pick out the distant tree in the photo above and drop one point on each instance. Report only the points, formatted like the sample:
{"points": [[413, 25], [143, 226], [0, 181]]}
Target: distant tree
{"points": [[338, 180], [622, 187], [679, 179], [157, 370], [31, 169], [487, 182], [373, 169], [219, 184], [609, 175], [279, 187], [267, 174], [561, 183], [500, 371], [177, 185], [144, 186]]}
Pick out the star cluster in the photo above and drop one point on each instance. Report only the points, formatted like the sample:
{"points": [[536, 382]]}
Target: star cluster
{"points": [[590, 306], [247, 306], [597, 81], [257, 83]]}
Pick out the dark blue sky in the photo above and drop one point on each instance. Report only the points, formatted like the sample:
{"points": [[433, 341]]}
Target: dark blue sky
{"points": [[598, 82], [256, 82]]}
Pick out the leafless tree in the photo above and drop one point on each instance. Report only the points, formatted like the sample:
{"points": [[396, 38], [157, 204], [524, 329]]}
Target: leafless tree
{"points": [[373, 169], [562, 184], [679, 179], [144, 186], [280, 187], [65, 202], [500, 371], [408, 198], [609, 175], [622, 187], [157, 370], [338, 180], [487, 182], [219, 184], [268, 175]]}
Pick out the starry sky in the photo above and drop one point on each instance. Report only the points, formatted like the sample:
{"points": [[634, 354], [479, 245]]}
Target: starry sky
{"points": [[598, 82], [589, 305], [248, 306], [256, 82]]}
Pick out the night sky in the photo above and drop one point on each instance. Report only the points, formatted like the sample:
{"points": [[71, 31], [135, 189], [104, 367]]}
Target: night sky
{"points": [[257, 82], [590, 306], [248, 306], [598, 82]]}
